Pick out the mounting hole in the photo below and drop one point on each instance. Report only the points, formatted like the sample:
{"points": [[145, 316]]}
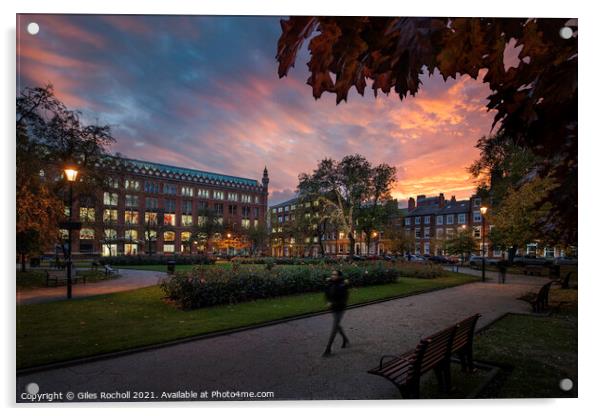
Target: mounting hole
{"points": [[33, 28], [566, 384], [32, 388], [566, 32]]}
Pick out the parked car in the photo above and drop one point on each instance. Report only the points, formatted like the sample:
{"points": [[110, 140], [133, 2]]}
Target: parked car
{"points": [[565, 261], [417, 258], [530, 261], [475, 261], [440, 260]]}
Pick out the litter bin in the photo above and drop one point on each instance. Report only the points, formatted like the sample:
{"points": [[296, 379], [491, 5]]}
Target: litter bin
{"points": [[171, 267]]}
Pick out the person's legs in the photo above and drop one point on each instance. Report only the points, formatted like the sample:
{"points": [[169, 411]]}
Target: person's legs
{"points": [[336, 327], [340, 328]]}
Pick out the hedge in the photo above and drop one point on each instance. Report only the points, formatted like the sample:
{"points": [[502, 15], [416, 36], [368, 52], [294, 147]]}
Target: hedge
{"points": [[211, 286], [139, 260]]}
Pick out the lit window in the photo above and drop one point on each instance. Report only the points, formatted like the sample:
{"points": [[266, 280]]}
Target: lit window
{"points": [[204, 193], [86, 234], [185, 236], [232, 196], [408, 221], [132, 185], [187, 191], [169, 236], [476, 232], [87, 214], [150, 218], [218, 195], [186, 220], [131, 217], [131, 235], [169, 219], [110, 234], [109, 216], [110, 198], [245, 223], [427, 220]]}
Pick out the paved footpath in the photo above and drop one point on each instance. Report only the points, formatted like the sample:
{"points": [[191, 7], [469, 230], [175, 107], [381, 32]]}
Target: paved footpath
{"points": [[128, 280], [286, 358]]}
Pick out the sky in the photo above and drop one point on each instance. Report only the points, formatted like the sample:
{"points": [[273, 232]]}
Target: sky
{"points": [[203, 92]]}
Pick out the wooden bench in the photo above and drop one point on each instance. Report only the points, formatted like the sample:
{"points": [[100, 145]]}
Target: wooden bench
{"points": [[60, 276], [539, 300], [564, 282], [109, 270], [431, 353]]}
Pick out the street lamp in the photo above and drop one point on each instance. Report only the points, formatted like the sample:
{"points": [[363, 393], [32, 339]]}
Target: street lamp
{"points": [[483, 212], [71, 175]]}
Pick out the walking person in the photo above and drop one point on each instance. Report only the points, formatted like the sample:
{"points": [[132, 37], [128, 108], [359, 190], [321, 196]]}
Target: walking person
{"points": [[337, 294], [502, 268]]}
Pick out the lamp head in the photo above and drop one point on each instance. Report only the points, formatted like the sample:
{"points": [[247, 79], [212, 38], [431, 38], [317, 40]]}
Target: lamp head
{"points": [[71, 174], [483, 210]]}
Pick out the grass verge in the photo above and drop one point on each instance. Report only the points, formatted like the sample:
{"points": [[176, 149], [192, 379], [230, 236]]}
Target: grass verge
{"points": [[64, 330], [33, 279], [535, 352]]}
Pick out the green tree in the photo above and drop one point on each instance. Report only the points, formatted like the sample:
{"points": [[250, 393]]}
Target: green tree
{"points": [[399, 241], [343, 187], [462, 244], [534, 102], [258, 236], [516, 221], [209, 227]]}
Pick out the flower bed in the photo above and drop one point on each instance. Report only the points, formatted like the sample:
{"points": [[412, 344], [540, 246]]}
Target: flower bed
{"points": [[206, 286]]}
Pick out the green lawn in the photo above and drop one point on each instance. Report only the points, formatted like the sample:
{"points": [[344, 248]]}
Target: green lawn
{"points": [[66, 330], [535, 352]]}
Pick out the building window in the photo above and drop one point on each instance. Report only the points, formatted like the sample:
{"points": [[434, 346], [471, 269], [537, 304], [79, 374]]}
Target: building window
{"points": [[408, 221], [255, 212], [219, 209], [232, 209], [449, 219], [186, 220], [64, 234], [131, 235], [461, 218], [110, 234], [113, 183], [170, 205], [132, 185], [86, 234], [417, 220], [255, 223], [427, 220], [152, 203], [169, 219], [185, 236], [476, 216], [439, 219], [417, 232], [151, 187], [109, 249], [187, 191], [87, 214], [245, 198], [150, 235], [256, 199], [130, 217], [131, 201], [169, 248], [150, 218], [110, 199], [245, 223], [109, 216], [204, 193], [476, 232], [170, 189], [427, 248], [218, 195], [246, 212], [273, 210], [187, 207], [439, 232], [232, 196], [427, 232], [169, 236], [130, 249], [477, 202], [449, 232]]}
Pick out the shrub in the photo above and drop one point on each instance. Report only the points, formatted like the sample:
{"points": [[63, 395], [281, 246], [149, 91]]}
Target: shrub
{"points": [[205, 286], [426, 270]]}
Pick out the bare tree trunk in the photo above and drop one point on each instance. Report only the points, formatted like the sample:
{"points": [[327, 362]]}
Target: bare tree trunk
{"points": [[351, 243]]}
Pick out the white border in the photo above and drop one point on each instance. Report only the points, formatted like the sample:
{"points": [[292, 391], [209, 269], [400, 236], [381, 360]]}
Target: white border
{"points": [[589, 155]]}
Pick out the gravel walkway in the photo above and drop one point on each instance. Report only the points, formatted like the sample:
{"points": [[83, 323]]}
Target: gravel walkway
{"points": [[128, 280], [286, 358]]}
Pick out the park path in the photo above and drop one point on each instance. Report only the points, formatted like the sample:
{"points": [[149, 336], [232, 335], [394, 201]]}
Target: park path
{"points": [[128, 280], [286, 358]]}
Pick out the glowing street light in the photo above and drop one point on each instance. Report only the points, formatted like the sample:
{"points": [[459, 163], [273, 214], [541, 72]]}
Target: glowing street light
{"points": [[71, 175], [483, 210]]}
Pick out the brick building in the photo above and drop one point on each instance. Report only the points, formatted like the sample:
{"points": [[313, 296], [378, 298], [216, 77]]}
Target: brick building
{"points": [[152, 207], [334, 241], [432, 220]]}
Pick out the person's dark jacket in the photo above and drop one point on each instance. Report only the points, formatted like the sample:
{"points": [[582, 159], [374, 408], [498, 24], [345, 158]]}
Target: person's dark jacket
{"points": [[337, 294]]}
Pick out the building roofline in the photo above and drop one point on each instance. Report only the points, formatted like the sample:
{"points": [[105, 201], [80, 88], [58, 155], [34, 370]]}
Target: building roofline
{"points": [[193, 172]]}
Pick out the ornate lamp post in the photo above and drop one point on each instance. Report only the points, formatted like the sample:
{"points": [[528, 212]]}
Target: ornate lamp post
{"points": [[71, 175], [483, 212]]}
